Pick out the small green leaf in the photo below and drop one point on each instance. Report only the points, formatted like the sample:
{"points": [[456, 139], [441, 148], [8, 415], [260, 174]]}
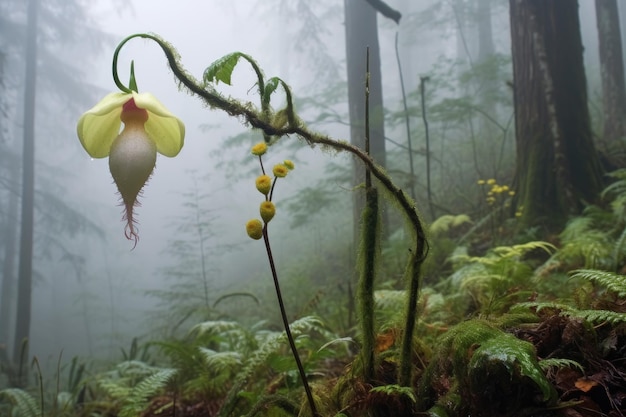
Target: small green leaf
{"points": [[222, 69], [271, 86], [132, 83]]}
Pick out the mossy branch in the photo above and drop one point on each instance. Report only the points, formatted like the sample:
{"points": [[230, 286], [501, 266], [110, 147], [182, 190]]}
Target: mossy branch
{"points": [[254, 118]]}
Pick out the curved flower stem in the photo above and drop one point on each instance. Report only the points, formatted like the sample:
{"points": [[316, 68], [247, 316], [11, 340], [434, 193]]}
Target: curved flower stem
{"points": [[283, 314]]}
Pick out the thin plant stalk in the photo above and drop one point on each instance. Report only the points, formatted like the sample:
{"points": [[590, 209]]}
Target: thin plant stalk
{"points": [[428, 184], [407, 122], [283, 314]]}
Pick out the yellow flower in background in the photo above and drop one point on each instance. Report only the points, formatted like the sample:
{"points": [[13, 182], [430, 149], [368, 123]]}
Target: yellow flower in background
{"points": [[280, 170], [267, 210], [491, 181], [148, 128], [254, 228], [259, 149]]}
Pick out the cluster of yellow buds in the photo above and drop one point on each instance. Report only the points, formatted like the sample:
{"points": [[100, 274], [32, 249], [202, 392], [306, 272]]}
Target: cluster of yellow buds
{"points": [[265, 185], [496, 190]]}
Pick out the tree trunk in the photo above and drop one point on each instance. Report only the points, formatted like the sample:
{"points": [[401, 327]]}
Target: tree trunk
{"points": [[8, 274], [25, 269], [557, 164], [612, 70], [622, 24], [362, 32], [485, 33]]}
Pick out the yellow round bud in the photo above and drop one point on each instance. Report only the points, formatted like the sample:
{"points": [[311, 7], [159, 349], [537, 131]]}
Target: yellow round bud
{"points": [[280, 170], [289, 164], [259, 149], [267, 210], [264, 184], [254, 228]]}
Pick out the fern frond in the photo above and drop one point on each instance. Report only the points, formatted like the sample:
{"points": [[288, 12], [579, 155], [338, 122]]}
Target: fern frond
{"points": [[520, 250], [24, 404], [575, 228], [594, 248], [135, 369], [611, 281], [214, 327], [597, 316], [618, 249], [448, 221], [139, 395], [545, 305], [619, 186], [389, 299], [395, 390], [220, 361], [560, 363]]}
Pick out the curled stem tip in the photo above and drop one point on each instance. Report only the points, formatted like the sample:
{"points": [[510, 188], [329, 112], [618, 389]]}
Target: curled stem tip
{"points": [[132, 84]]}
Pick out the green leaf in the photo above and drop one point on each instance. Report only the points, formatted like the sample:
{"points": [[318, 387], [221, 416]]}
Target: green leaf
{"points": [[270, 87], [132, 83], [222, 69]]}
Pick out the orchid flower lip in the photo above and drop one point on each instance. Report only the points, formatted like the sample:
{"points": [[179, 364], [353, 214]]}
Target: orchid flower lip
{"points": [[98, 127]]}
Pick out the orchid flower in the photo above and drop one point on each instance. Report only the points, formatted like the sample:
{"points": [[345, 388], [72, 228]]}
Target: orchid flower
{"points": [[148, 128]]}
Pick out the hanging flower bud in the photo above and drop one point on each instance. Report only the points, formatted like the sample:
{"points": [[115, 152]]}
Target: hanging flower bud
{"points": [[264, 184], [267, 211], [254, 228]]}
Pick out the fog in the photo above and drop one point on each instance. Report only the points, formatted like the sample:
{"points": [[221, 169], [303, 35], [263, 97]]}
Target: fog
{"points": [[91, 299]]}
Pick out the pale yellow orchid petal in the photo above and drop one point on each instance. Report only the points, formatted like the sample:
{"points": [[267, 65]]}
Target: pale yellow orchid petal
{"points": [[99, 126], [165, 129]]}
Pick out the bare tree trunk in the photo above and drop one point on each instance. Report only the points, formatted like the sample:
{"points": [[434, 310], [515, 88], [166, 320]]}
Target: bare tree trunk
{"points": [[7, 306], [362, 32], [622, 24], [612, 69], [25, 269], [485, 32], [557, 164]]}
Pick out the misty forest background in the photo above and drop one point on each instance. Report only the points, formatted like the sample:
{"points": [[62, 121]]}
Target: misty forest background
{"points": [[448, 120]]}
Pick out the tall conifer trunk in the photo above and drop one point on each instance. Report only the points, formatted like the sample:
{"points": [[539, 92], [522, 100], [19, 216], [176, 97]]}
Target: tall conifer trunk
{"points": [[557, 164], [25, 269], [362, 32], [612, 70]]}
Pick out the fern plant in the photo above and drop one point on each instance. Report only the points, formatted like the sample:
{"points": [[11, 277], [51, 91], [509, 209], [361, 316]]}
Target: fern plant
{"points": [[270, 351], [19, 403], [132, 384], [208, 359], [612, 287], [498, 279]]}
